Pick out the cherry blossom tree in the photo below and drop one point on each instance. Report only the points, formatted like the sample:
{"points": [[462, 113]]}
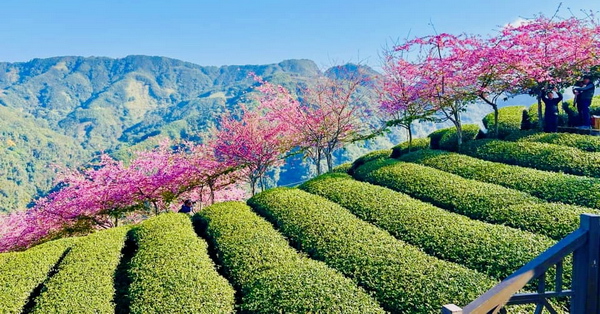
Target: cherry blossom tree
{"points": [[108, 191], [87, 199], [491, 63], [333, 112], [400, 98], [343, 109], [252, 145], [522, 58], [305, 122], [445, 77], [208, 178]]}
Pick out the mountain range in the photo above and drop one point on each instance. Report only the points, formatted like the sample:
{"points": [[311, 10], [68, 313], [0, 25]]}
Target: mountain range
{"points": [[65, 110]]}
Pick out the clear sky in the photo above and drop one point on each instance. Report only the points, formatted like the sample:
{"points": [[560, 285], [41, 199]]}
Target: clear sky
{"points": [[246, 32]]}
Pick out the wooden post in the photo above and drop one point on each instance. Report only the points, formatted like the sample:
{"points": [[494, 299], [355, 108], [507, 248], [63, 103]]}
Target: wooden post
{"points": [[585, 269], [451, 309]]}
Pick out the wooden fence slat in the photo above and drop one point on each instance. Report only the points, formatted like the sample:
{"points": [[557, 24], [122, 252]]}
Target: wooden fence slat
{"points": [[584, 243]]}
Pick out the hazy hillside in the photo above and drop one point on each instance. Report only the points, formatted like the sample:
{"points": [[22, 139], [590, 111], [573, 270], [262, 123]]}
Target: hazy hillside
{"points": [[102, 101], [28, 148], [63, 110]]}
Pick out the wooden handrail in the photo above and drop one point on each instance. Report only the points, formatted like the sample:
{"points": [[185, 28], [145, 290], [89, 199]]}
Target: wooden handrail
{"points": [[583, 242]]}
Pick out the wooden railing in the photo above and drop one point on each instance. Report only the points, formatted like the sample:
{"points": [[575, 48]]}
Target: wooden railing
{"points": [[584, 293]]}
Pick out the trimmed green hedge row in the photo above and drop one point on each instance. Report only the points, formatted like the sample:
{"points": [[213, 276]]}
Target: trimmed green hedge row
{"points": [[478, 200], [493, 249], [540, 156], [509, 121], [436, 136], [22, 272], [374, 155], [84, 281], [587, 143], [595, 106], [449, 140], [343, 168], [517, 135], [171, 271], [405, 280], [417, 144], [550, 186], [272, 276]]}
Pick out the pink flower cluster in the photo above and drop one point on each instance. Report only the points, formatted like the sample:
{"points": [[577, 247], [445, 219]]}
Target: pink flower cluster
{"points": [[330, 115], [251, 145], [443, 69], [109, 190]]}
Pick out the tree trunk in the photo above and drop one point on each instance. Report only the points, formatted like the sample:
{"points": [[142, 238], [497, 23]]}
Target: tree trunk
{"points": [[263, 183], [329, 157], [540, 114], [317, 161], [459, 133], [116, 221], [155, 208], [253, 185], [409, 138], [459, 136], [496, 114], [201, 197], [211, 190]]}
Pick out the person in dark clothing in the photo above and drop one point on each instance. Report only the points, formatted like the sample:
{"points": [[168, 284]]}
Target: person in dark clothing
{"points": [[551, 115], [574, 117], [584, 100], [187, 207]]}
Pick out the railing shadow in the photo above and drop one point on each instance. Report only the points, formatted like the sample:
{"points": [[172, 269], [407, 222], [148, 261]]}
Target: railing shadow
{"points": [[583, 295]]}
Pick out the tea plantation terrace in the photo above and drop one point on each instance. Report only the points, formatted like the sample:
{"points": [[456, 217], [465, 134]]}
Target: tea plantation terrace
{"points": [[405, 230]]}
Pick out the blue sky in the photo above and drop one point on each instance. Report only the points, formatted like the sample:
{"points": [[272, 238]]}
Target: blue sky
{"points": [[246, 32]]}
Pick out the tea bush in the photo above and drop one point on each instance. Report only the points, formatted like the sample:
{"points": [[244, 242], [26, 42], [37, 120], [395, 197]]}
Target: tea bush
{"points": [[493, 249], [22, 272], [589, 143], [509, 121], [449, 140], [478, 200], [374, 155], [272, 276], [343, 168], [540, 156], [171, 271], [403, 278], [417, 144], [84, 281], [550, 186]]}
